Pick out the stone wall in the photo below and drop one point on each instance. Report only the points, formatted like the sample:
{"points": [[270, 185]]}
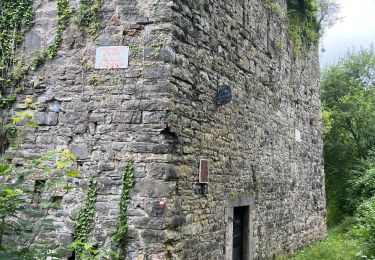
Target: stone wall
{"points": [[107, 117], [161, 112], [267, 142]]}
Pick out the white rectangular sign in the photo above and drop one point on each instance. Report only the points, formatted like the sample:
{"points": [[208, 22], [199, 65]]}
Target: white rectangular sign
{"points": [[112, 57], [298, 135]]}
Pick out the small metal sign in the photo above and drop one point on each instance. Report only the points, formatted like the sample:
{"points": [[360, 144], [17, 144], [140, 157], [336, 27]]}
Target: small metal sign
{"points": [[224, 95], [112, 57], [203, 171]]}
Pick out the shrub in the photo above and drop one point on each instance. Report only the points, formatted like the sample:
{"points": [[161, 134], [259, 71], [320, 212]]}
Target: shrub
{"points": [[365, 228]]}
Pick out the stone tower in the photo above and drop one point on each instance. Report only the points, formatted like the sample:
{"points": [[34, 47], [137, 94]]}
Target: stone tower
{"points": [[211, 86]]}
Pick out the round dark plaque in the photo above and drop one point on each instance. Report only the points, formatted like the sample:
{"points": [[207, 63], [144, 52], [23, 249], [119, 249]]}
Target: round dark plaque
{"points": [[224, 95]]}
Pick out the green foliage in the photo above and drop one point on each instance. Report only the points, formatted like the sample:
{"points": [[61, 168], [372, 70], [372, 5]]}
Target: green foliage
{"points": [[8, 131], [276, 8], [83, 222], [157, 48], [94, 80], [82, 226], [63, 16], [26, 116], [363, 187], [134, 50], [349, 141], [338, 245], [16, 18], [365, 227], [362, 197], [85, 251], [349, 117], [22, 222], [25, 208], [19, 18], [119, 237], [305, 19], [303, 29], [89, 16]]}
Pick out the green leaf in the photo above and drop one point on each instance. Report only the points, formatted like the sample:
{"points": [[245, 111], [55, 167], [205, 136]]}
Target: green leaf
{"points": [[74, 174], [60, 164], [68, 188], [36, 161], [87, 246], [48, 170], [28, 113], [73, 245], [15, 119], [4, 168], [9, 192], [31, 124]]}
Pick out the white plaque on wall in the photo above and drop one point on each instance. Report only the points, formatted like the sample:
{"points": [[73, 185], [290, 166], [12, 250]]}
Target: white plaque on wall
{"points": [[112, 57], [298, 135]]}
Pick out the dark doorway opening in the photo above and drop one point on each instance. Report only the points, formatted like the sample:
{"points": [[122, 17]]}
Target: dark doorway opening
{"points": [[4, 144], [240, 233]]}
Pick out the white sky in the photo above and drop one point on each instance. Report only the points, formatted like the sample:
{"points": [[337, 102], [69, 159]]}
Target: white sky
{"points": [[356, 30]]}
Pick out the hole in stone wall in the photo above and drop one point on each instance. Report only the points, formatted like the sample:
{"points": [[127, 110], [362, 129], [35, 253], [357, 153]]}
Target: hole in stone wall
{"points": [[4, 144], [56, 200], [172, 139], [73, 256], [168, 134], [39, 185]]}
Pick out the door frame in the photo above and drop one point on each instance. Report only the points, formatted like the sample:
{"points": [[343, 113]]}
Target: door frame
{"points": [[249, 246]]}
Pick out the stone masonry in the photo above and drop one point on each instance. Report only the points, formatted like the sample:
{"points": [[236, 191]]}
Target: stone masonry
{"points": [[264, 147]]}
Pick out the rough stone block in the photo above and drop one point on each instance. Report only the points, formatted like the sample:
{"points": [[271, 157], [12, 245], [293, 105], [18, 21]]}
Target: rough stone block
{"points": [[73, 118], [54, 106], [46, 118], [153, 117], [134, 117], [80, 151], [154, 189]]}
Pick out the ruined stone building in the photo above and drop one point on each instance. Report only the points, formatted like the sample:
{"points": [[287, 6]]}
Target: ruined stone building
{"points": [[221, 120]]}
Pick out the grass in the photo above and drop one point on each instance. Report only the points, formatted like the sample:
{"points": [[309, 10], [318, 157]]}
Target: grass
{"points": [[337, 246]]}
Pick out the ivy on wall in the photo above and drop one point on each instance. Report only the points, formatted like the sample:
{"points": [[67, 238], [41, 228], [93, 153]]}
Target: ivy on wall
{"points": [[120, 235], [63, 16], [82, 224], [303, 29], [89, 16], [15, 19], [303, 26]]}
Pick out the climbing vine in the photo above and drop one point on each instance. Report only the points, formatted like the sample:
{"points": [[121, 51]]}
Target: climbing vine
{"points": [[303, 28], [88, 16], [63, 16], [303, 25], [16, 17], [119, 237], [82, 225], [83, 222]]}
